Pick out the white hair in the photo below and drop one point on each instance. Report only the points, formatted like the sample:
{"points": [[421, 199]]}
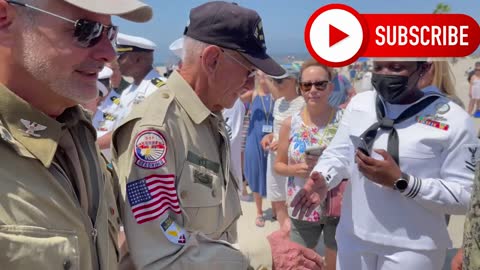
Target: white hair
{"points": [[192, 49]]}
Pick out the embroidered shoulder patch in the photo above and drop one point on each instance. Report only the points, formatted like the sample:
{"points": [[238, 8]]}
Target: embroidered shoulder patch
{"points": [[150, 149], [152, 196], [174, 232]]}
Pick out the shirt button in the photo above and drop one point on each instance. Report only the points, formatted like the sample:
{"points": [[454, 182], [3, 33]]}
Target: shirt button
{"points": [[165, 95], [183, 194], [67, 264], [214, 193]]}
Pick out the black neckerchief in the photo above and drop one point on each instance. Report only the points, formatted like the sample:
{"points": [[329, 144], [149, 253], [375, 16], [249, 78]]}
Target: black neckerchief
{"points": [[388, 124]]}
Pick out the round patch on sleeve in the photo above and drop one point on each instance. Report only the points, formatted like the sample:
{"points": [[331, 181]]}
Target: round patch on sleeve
{"points": [[150, 149]]}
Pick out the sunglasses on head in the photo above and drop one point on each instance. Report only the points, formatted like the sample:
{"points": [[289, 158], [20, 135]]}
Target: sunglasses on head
{"points": [[319, 85], [87, 33]]}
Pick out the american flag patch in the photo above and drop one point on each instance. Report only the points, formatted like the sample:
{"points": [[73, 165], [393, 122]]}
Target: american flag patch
{"points": [[152, 196]]}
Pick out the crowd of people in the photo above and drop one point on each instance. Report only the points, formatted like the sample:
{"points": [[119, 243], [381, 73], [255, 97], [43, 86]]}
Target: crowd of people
{"points": [[108, 164]]}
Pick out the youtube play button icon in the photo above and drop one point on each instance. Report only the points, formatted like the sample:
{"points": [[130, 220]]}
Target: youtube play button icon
{"points": [[334, 35]]}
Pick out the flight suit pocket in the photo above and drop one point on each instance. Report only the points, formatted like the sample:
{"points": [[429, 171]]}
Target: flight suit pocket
{"points": [[29, 247], [200, 194]]}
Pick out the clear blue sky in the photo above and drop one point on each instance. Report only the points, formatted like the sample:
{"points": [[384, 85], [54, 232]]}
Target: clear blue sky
{"points": [[283, 20]]}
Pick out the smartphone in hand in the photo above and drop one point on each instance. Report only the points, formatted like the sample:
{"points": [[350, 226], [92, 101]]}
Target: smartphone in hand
{"points": [[314, 150], [360, 144]]}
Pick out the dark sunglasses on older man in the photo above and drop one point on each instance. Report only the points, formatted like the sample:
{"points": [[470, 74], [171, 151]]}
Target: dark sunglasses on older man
{"points": [[319, 85], [87, 33]]}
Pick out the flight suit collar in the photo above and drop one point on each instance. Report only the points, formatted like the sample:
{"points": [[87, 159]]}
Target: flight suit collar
{"points": [[34, 130], [187, 98]]}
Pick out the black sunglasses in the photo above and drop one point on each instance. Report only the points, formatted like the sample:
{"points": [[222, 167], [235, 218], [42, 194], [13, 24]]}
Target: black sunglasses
{"points": [[87, 33], [319, 85]]}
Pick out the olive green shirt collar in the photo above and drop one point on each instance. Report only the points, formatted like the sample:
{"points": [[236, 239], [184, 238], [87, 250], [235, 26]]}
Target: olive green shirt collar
{"points": [[187, 98], [15, 113]]}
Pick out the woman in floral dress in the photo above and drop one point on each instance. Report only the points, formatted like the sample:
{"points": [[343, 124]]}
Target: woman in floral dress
{"points": [[314, 126]]}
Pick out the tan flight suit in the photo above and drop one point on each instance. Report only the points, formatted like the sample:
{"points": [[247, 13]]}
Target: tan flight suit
{"points": [[57, 206], [195, 154]]}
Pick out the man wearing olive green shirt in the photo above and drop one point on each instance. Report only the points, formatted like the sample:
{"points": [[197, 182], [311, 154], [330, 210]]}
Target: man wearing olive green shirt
{"points": [[172, 152], [57, 202]]}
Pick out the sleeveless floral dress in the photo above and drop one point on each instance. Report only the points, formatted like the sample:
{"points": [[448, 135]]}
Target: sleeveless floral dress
{"points": [[301, 137]]}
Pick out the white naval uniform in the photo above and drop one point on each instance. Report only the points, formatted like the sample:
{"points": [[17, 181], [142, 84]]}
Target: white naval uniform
{"points": [[440, 161], [101, 121], [134, 94], [105, 118]]}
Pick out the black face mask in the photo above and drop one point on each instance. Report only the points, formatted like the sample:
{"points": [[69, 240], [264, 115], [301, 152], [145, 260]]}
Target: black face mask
{"points": [[392, 88]]}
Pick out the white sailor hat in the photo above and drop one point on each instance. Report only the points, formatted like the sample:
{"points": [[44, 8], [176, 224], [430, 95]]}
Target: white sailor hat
{"points": [[177, 47], [106, 73], [129, 43]]}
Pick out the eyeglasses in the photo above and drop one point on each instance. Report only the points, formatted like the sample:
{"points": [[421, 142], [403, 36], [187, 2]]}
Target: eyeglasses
{"points": [[278, 81], [87, 33], [251, 72], [319, 85]]}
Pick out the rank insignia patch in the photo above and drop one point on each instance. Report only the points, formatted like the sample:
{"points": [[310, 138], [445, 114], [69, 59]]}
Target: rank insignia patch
{"points": [[472, 152]]}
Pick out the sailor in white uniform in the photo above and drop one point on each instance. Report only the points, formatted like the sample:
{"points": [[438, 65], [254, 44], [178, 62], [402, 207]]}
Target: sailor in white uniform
{"points": [[136, 56], [420, 168]]}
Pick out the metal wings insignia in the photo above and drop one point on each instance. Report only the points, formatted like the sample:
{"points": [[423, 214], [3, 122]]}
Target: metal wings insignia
{"points": [[32, 127]]}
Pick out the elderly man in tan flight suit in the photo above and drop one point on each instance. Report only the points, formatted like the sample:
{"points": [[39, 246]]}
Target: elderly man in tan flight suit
{"points": [[57, 206], [172, 151]]}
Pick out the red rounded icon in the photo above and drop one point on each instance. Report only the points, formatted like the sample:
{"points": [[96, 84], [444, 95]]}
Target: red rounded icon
{"points": [[335, 36]]}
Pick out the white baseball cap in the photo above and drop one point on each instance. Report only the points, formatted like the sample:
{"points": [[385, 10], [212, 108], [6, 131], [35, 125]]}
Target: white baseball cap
{"points": [[132, 10]]}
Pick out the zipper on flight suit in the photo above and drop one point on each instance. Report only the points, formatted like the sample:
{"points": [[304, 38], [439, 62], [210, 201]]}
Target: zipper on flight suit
{"points": [[93, 231], [97, 189]]}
